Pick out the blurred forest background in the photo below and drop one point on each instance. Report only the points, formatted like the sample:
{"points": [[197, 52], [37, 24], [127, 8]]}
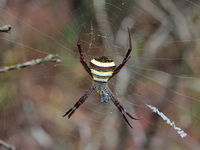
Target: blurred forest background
{"points": [[163, 71]]}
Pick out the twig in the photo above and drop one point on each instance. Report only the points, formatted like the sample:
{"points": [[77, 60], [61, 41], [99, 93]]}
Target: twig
{"points": [[5, 28], [48, 58], [6, 145]]}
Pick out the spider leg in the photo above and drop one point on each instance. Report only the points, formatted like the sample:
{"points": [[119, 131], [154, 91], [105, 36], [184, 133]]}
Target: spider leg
{"points": [[127, 121], [121, 108], [126, 58], [79, 102], [82, 58], [123, 111], [131, 115]]}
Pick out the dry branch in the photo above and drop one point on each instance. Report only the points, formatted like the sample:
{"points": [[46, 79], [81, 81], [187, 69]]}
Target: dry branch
{"points": [[48, 58], [5, 28], [6, 145]]}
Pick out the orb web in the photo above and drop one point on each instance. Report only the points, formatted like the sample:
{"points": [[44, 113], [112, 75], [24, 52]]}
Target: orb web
{"points": [[162, 73]]}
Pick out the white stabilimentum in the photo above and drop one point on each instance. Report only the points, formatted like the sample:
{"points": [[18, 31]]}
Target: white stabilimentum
{"points": [[171, 123]]}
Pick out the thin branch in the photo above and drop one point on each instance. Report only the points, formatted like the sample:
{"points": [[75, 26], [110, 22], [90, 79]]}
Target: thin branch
{"points": [[48, 58], [6, 145], [5, 28]]}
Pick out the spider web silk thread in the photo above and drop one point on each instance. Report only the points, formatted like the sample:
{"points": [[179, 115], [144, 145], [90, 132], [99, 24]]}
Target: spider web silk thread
{"points": [[168, 121]]}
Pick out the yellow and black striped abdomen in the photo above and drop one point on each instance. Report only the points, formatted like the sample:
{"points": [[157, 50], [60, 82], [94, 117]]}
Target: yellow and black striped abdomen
{"points": [[102, 68]]}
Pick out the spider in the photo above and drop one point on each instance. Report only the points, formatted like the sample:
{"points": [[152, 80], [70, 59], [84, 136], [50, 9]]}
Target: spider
{"points": [[102, 69]]}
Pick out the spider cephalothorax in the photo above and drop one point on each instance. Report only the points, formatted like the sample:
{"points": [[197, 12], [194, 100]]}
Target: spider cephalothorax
{"points": [[101, 70]]}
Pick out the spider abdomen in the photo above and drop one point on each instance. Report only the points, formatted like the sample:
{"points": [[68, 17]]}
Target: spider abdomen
{"points": [[102, 68]]}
